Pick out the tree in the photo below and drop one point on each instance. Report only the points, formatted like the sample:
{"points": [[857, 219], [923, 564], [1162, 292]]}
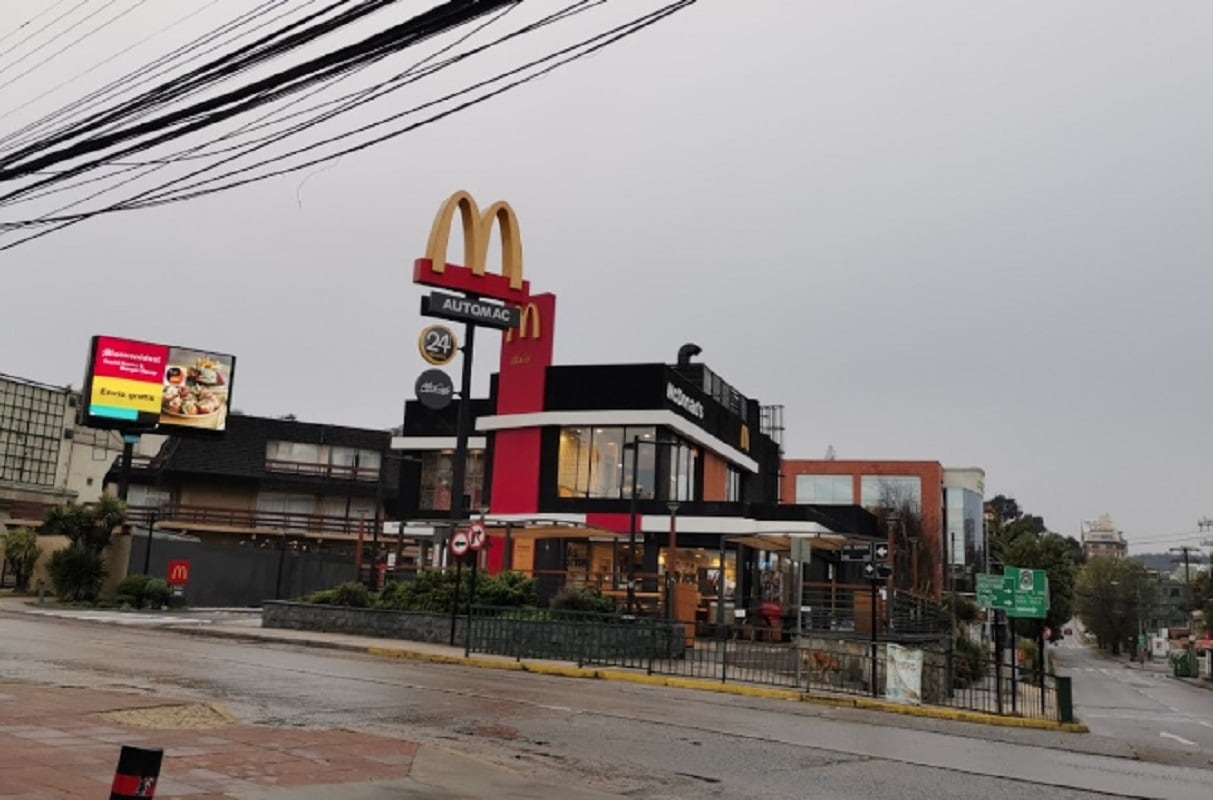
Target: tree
{"points": [[21, 552], [1051, 553], [87, 526], [908, 538], [1113, 595]]}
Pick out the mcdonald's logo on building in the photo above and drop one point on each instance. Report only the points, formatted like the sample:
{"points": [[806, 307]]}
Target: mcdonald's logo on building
{"points": [[530, 313], [433, 270], [178, 573]]}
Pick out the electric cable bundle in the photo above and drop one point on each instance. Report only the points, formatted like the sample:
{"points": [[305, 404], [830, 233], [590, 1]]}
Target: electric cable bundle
{"points": [[175, 129]]}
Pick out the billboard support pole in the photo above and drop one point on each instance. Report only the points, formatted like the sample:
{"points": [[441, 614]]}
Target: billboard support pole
{"points": [[147, 552], [462, 424], [129, 440]]}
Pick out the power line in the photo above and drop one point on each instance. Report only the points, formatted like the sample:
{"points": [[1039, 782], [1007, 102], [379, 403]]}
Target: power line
{"points": [[95, 98], [71, 44], [187, 154], [32, 19], [148, 198], [61, 33], [3, 53]]}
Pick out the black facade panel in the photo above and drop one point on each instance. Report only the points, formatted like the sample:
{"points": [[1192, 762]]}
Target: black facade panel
{"points": [[421, 421], [609, 386]]}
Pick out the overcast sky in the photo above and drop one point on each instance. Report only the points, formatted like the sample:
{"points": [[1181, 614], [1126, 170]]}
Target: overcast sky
{"points": [[977, 233]]}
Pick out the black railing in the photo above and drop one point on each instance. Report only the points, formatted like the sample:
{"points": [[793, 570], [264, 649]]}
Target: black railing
{"points": [[911, 673]]}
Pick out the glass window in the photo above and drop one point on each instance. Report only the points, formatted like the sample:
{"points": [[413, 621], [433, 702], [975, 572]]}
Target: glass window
{"points": [[573, 479], [825, 490], [733, 489], [606, 463], [437, 477], [646, 460], [890, 491]]}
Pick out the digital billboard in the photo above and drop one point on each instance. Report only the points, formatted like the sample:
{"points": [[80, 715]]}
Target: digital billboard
{"points": [[141, 386]]}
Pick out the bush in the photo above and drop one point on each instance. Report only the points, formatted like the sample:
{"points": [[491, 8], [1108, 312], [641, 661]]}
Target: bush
{"points": [[21, 551], [970, 663], [433, 591], [586, 599], [322, 597], [352, 594], [509, 589], [134, 587], [156, 593], [76, 574]]}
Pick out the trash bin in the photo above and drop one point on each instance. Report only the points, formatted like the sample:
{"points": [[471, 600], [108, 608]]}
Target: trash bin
{"points": [[1182, 665]]}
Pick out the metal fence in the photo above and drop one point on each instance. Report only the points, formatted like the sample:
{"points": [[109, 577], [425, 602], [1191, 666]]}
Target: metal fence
{"points": [[966, 680]]}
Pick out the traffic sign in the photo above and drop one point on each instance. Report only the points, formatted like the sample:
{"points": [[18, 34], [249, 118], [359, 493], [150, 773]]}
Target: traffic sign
{"points": [[1019, 592], [460, 543], [477, 536], [856, 552], [880, 551], [877, 572]]}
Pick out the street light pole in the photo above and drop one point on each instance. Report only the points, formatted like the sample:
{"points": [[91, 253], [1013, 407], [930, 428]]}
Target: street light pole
{"points": [[635, 444], [671, 570]]}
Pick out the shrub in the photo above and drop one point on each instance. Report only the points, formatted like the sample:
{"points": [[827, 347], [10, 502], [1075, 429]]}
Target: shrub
{"points": [[433, 591], [587, 599], [509, 589], [352, 594], [134, 587], [21, 551], [970, 662], [76, 574], [156, 593]]}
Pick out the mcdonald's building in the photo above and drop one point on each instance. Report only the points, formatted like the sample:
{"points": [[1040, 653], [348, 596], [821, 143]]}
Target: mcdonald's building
{"points": [[565, 459]]}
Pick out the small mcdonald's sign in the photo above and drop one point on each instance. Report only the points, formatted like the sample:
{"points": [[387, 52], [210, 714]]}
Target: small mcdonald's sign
{"points": [[178, 573]]}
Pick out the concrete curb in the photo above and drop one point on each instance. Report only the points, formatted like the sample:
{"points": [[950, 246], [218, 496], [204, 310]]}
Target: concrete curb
{"points": [[865, 703]]}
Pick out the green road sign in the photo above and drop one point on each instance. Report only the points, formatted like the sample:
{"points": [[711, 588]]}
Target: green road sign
{"points": [[993, 593], [1019, 592]]}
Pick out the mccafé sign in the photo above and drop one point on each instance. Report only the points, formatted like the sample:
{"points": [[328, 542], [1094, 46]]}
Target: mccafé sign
{"points": [[472, 277]]}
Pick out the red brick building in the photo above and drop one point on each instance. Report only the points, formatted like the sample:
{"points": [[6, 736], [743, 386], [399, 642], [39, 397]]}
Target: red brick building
{"points": [[918, 557]]}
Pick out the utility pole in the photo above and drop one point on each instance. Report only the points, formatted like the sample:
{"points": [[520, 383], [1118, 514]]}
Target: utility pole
{"points": [[1186, 550]]}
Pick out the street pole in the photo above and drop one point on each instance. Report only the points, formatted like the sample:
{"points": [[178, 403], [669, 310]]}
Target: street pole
{"points": [[124, 470], [455, 601], [875, 692], [671, 572], [147, 553], [463, 425], [632, 528]]}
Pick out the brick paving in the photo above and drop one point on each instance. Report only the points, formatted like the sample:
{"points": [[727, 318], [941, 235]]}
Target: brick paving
{"points": [[60, 742]]}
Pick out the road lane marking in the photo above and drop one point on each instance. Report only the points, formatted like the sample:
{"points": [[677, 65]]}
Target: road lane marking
{"points": [[1179, 739], [1206, 724]]}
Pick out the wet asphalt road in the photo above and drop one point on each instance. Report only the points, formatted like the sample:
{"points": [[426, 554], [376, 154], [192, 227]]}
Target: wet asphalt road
{"points": [[1151, 711], [628, 739]]}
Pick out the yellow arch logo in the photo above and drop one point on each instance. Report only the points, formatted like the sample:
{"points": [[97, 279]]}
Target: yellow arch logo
{"points": [[530, 313], [477, 228]]}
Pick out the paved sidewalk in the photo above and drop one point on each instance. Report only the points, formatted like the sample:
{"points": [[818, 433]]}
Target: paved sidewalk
{"points": [[62, 743]]}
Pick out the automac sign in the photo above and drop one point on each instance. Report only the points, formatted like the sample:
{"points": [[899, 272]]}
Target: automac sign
{"points": [[683, 400], [466, 309]]}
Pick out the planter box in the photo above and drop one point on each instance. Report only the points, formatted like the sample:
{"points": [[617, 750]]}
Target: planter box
{"points": [[409, 625]]}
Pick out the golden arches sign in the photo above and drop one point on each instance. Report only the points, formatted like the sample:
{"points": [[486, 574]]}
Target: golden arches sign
{"points": [[530, 313], [477, 228]]}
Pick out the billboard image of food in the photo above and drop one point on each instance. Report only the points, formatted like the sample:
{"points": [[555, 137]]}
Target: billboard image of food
{"points": [[141, 386], [196, 389]]}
